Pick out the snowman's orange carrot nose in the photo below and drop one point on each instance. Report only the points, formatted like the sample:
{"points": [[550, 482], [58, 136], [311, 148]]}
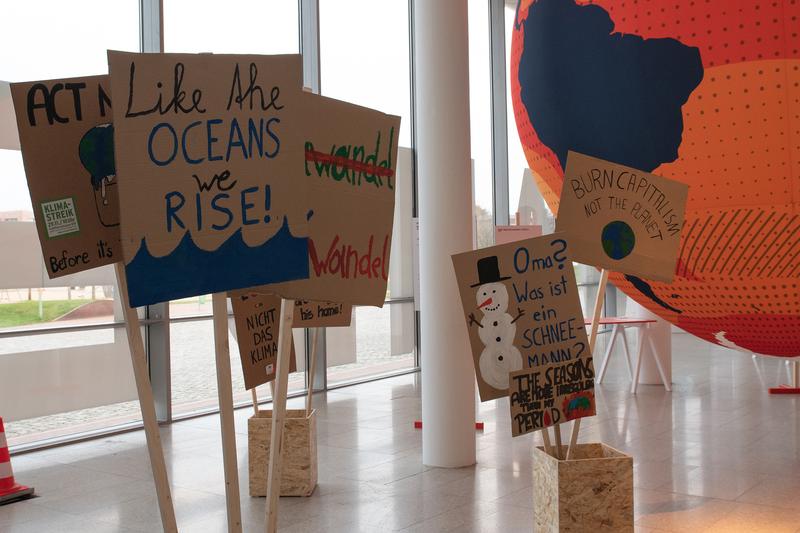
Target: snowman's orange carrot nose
{"points": [[487, 302]]}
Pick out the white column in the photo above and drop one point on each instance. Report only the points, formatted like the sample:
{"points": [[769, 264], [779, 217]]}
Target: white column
{"points": [[445, 214]]}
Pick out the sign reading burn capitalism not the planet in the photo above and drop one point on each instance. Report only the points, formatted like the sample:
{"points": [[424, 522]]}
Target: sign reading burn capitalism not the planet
{"points": [[67, 145], [350, 159], [256, 318], [526, 330], [208, 154], [620, 218]]}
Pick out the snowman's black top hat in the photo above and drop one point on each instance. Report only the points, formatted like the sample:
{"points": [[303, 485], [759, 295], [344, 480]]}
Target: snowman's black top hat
{"points": [[489, 271]]}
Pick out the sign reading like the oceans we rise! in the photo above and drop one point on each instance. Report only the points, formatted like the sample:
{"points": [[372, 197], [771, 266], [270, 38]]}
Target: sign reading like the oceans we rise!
{"points": [[520, 302], [67, 145], [621, 218], [208, 151]]}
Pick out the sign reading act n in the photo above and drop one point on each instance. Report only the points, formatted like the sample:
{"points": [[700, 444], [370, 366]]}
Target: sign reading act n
{"points": [[67, 143]]}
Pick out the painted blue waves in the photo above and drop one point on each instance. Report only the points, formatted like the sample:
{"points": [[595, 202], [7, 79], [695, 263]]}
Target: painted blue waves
{"points": [[190, 271]]}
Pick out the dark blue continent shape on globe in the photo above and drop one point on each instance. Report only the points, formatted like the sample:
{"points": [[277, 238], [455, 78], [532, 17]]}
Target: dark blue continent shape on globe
{"points": [[609, 95]]}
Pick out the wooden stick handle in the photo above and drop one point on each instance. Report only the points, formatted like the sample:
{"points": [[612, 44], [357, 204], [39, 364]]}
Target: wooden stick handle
{"points": [[557, 431], [146, 403], [796, 367], [219, 306], [598, 310], [312, 367], [255, 400], [548, 448], [279, 414]]}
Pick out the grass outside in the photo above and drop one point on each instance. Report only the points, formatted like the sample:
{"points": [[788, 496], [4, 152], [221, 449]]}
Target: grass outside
{"points": [[25, 313]]}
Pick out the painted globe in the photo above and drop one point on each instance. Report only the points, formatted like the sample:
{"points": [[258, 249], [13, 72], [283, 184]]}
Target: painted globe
{"points": [[706, 92], [618, 239]]}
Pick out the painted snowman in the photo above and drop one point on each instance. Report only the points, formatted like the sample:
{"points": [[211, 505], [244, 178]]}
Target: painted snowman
{"points": [[497, 328]]}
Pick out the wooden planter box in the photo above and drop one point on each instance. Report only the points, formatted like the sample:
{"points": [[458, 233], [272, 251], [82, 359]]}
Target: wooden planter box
{"points": [[299, 471], [591, 492]]}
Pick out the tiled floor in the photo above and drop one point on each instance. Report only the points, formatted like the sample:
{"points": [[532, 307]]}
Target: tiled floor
{"points": [[717, 454]]}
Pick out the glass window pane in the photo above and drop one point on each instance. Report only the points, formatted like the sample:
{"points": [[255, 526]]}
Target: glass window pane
{"points": [[78, 380], [378, 341], [364, 46], [375, 75], [194, 371], [480, 111], [50, 39], [232, 27], [523, 195]]}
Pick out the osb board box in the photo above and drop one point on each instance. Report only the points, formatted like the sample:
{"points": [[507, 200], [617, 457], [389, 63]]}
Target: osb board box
{"points": [[593, 491], [299, 470]]}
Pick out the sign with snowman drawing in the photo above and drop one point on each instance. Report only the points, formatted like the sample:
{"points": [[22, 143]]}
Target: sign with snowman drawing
{"points": [[526, 330]]}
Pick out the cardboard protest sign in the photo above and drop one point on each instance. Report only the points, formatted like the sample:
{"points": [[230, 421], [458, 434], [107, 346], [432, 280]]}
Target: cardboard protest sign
{"points": [[67, 145], [520, 301], [307, 313], [256, 319], [350, 159], [620, 218], [207, 150]]}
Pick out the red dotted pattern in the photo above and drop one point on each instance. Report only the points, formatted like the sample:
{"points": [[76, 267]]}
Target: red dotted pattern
{"points": [[738, 276], [725, 31]]}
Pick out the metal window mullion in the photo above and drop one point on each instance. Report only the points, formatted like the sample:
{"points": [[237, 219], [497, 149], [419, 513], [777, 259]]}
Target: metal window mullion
{"points": [[309, 43], [497, 38], [151, 34], [309, 48], [156, 326], [414, 184]]}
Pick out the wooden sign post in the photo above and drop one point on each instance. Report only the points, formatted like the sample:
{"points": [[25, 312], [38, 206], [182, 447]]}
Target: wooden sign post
{"points": [[598, 309], [219, 303], [279, 414], [146, 404], [312, 368], [67, 147]]}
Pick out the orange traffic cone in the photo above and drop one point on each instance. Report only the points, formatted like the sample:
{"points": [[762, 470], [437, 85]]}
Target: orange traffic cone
{"points": [[9, 489]]}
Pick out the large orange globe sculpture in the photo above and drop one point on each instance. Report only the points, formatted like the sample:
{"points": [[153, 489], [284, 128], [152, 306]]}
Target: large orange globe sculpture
{"points": [[702, 91]]}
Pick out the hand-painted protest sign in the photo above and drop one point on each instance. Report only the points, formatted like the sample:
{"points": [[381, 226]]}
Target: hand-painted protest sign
{"points": [[207, 150], [307, 313], [520, 301], [310, 314], [620, 218], [256, 319], [67, 145], [350, 157]]}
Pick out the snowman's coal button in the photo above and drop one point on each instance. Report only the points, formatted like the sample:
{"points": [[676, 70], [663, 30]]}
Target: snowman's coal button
{"points": [[494, 323], [500, 358], [498, 339]]}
